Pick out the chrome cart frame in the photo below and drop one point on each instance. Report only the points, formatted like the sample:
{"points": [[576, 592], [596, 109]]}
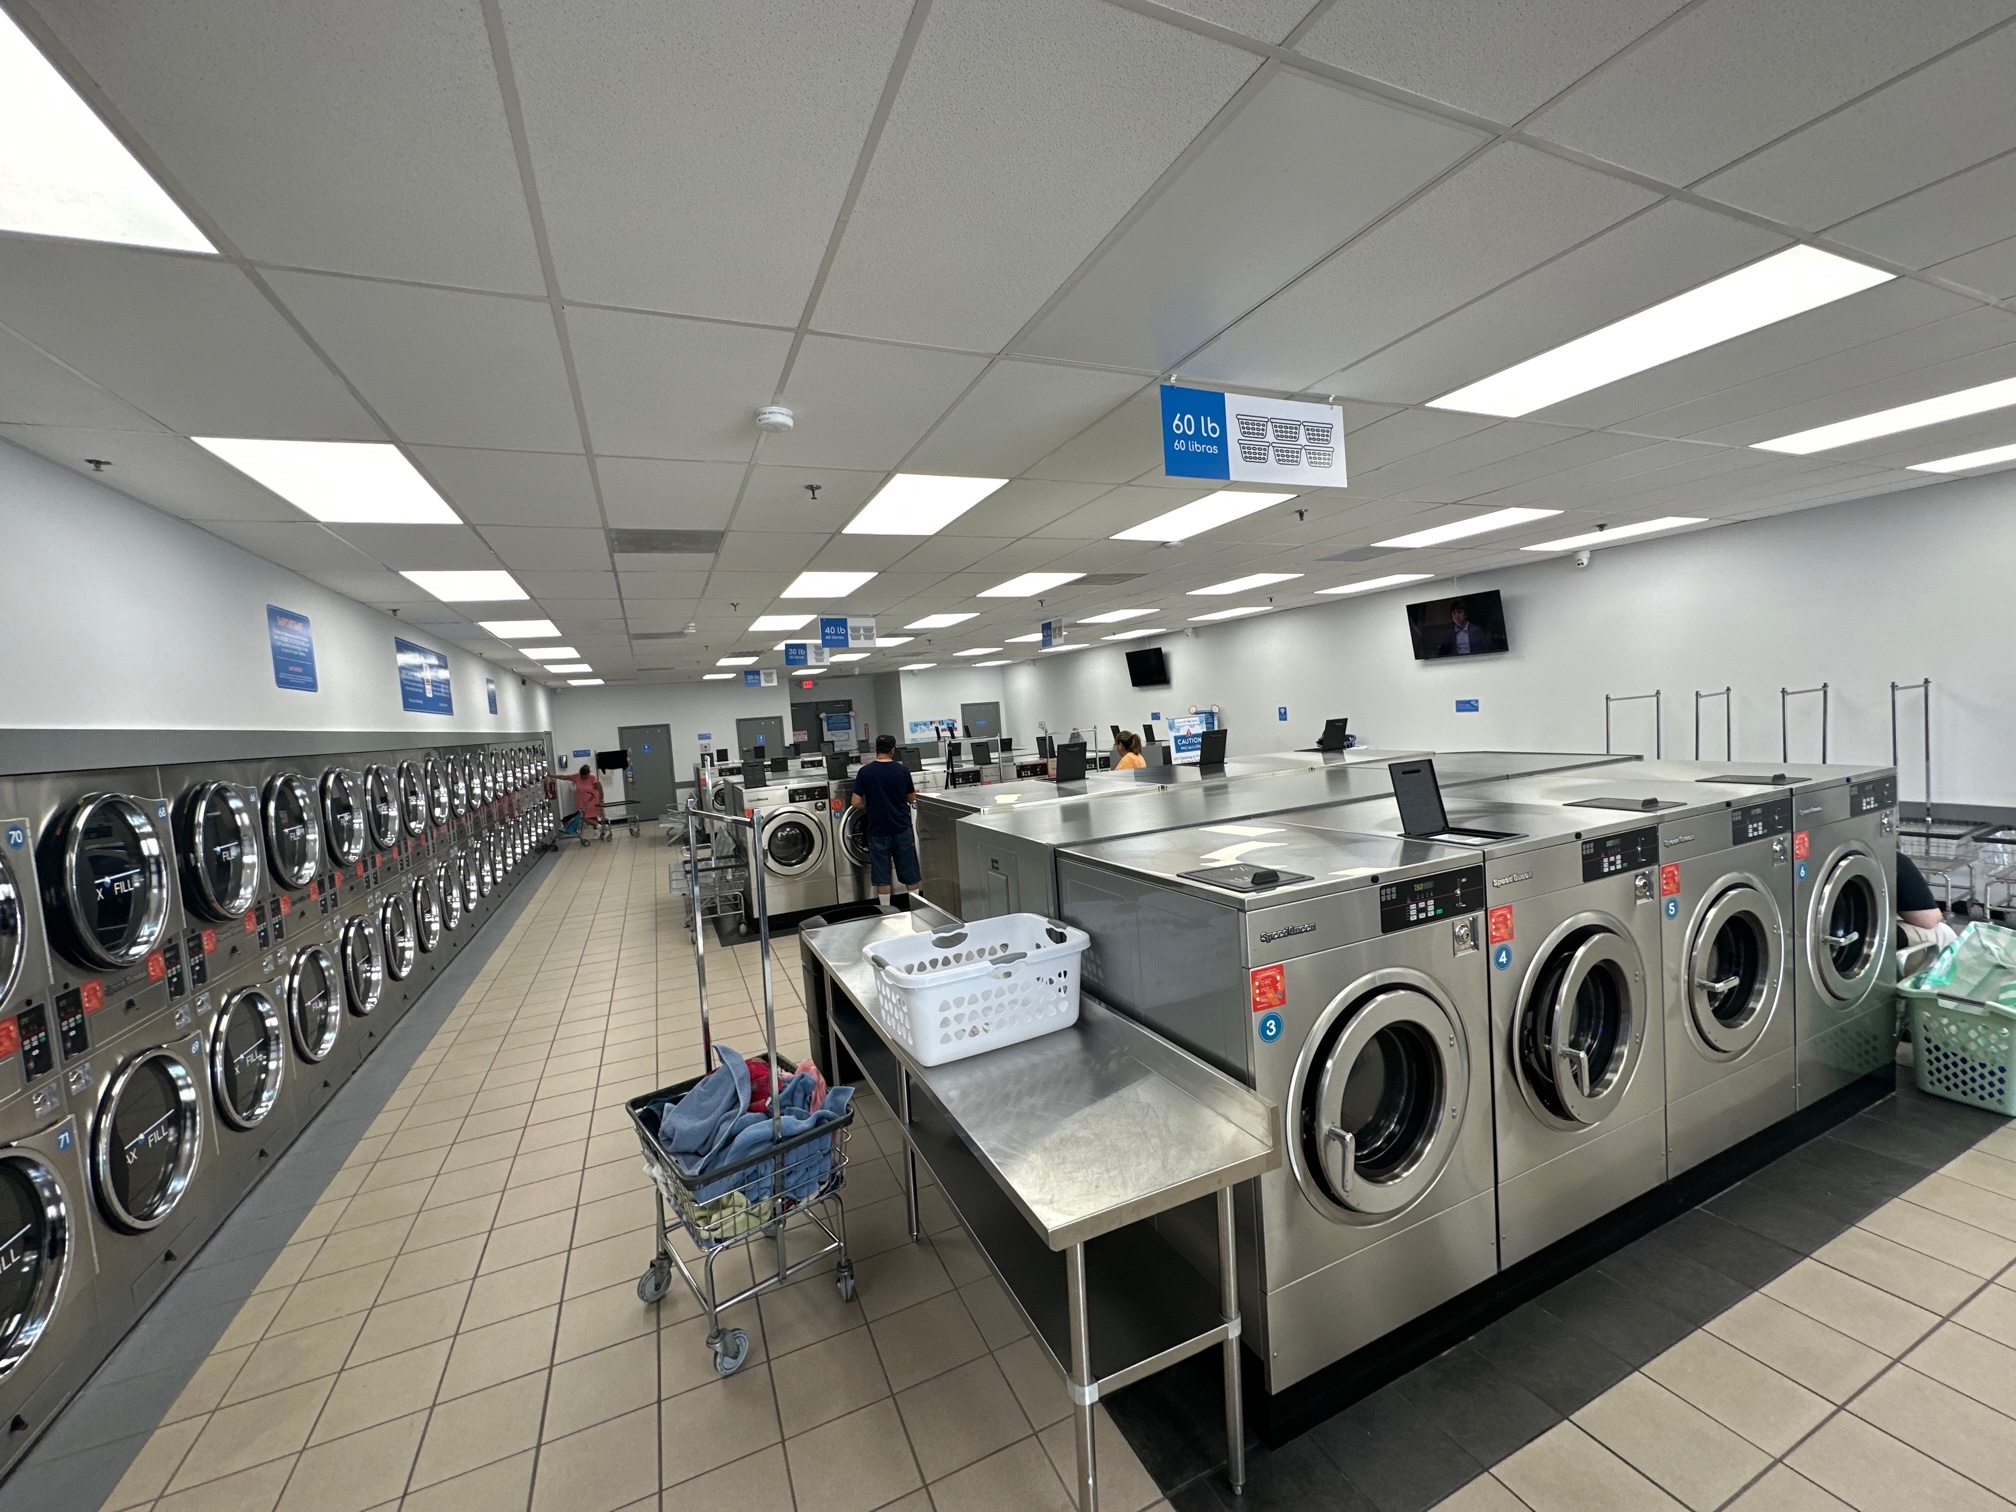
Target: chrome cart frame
{"points": [[716, 887], [765, 1173]]}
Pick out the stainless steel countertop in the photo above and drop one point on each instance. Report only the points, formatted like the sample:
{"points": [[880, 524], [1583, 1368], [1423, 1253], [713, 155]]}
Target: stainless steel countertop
{"points": [[1088, 1129]]}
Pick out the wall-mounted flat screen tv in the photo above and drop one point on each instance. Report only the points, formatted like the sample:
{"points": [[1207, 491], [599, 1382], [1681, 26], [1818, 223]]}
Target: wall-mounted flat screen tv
{"points": [[1470, 624], [1148, 669]]}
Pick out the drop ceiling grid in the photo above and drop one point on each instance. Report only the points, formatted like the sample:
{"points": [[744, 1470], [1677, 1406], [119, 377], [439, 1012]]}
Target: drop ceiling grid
{"points": [[667, 398]]}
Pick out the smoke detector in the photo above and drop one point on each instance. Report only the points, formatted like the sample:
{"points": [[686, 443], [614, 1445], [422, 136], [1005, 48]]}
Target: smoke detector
{"points": [[774, 417]]}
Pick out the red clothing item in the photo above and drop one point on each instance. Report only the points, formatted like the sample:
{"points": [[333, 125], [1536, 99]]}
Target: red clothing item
{"points": [[588, 797]]}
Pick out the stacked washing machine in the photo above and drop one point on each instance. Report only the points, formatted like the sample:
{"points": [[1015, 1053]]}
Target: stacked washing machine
{"points": [[192, 960]]}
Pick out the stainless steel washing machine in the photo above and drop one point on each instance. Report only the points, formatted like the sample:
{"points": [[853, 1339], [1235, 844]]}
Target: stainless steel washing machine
{"points": [[799, 873], [1345, 982]]}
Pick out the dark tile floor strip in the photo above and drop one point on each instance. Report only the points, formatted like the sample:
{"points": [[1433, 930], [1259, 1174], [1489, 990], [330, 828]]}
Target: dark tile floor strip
{"points": [[79, 1460]]}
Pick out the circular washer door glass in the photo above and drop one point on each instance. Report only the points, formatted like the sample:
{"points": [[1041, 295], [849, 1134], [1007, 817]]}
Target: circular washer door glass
{"points": [[221, 843], [791, 845], [247, 1057], [381, 797], [1578, 1026], [412, 798], [450, 892], [465, 866], [293, 832], [458, 787], [315, 1003], [343, 813], [395, 928], [438, 804], [145, 1146], [13, 945], [426, 913], [35, 1223], [363, 965], [115, 880]]}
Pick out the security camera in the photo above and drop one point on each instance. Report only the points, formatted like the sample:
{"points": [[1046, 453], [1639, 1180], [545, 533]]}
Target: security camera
{"points": [[1582, 559]]}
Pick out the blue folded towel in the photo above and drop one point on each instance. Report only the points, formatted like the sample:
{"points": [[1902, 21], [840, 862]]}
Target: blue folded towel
{"points": [[704, 1119], [805, 1168]]}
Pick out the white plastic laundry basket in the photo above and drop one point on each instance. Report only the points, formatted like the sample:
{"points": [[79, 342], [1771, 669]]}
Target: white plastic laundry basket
{"points": [[977, 986]]}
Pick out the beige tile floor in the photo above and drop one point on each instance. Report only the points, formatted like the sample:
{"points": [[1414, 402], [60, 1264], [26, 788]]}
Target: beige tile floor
{"points": [[1877, 1374], [455, 1326]]}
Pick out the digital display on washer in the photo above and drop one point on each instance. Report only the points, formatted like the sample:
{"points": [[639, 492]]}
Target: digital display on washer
{"points": [[37, 1059], [1613, 855], [1760, 820], [1873, 796], [1423, 900], [805, 795]]}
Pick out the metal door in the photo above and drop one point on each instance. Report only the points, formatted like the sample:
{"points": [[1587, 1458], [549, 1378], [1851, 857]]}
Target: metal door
{"points": [[768, 730], [1730, 974], [1845, 925], [1581, 1024], [647, 782], [794, 843], [981, 721]]}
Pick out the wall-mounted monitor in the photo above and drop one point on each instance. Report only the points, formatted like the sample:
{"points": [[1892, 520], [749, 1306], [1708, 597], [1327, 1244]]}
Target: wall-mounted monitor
{"points": [[1148, 668], [1470, 624]]}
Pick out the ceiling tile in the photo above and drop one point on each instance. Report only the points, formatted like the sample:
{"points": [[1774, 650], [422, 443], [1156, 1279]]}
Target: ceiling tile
{"points": [[443, 368], [863, 404], [1265, 20], [1957, 215], [759, 551], [1992, 269], [1018, 413], [693, 157], [189, 340], [367, 583], [367, 137], [36, 389], [159, 469], [658, 387], [303, 546], [1123, 445], [559, 583], [776, 498], [643, 493], [1191, 264], [1729, 76], [1497, 61], [421, 548], [1021, 506], [512, 487], [569, 549], [1497, 216], [1021, 136], [1944, 118]]}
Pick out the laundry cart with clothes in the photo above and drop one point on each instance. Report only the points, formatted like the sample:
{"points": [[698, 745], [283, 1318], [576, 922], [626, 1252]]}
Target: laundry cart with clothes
{"points": [[755, 1149]]}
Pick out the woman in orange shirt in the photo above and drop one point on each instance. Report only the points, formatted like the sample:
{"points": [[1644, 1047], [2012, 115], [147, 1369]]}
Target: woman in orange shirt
{"points": [[1127, 755]]}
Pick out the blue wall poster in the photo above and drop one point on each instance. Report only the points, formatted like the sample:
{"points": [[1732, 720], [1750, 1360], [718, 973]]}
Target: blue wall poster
{"points": [[490, 691], [423, 679], [293, 649], [1240, 438]]}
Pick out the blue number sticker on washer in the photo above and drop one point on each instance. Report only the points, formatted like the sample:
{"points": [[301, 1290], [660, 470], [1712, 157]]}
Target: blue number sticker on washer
{"points": [[1270, 1027], [196, 1048], [16, 837], [1501, 957], [63, 1141], [1672, 908], [1802, 871]]}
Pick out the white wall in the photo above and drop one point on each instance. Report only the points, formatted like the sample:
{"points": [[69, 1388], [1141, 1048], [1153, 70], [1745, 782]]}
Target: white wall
{"points": [[116, 616], [1855, 595], [937, 694]]}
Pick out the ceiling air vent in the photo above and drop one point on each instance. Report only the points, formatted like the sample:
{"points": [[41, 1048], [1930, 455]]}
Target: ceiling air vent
{"points": [[664, 542]]}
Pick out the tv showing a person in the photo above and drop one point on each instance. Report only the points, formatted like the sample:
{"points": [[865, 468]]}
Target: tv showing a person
{"points": [[1470, 625]]}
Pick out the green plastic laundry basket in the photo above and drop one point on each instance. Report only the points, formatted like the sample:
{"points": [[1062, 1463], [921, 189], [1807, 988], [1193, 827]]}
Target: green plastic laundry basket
{"points": [[1963, 1019]]}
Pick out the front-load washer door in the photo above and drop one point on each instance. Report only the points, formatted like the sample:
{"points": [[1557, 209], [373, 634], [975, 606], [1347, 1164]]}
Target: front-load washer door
{"points": [[1581, 1023], [381, 801], [435, 777], [315, 1003], [345, 826], [293, 829], [450, 892], [794, 843], [145, 1141], [458, 787], [1376, 1104], [426, 913], [1847, 925], [395, 930], [220, 851], [34, 1252], [363, 965], [13, 938], [248, 1054], [854, 836], [465, 868], [107, 875], [486, 866], [1730, 975], [412, 799]]}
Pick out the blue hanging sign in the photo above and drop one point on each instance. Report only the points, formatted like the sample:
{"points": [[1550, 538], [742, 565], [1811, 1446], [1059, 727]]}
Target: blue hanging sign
{"points": [[293, 649], [424, 685], [490, 692], [1242, 438], [832, 632]]}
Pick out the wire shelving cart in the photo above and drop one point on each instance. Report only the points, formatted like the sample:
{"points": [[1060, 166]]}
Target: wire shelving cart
{"points": [[788, 1188]]}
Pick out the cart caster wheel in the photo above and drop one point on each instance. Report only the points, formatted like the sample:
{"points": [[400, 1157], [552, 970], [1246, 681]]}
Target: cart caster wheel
{"points": [[653, 1284], [844, 1276], [731, 1351], [742, 930]]}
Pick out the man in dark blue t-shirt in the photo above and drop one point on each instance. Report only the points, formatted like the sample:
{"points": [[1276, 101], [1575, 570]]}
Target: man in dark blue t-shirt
{"points": [[883, 788]]}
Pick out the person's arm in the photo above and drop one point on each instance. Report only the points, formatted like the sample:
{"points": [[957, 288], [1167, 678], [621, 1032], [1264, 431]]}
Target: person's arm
{"points": [[855, 800]]}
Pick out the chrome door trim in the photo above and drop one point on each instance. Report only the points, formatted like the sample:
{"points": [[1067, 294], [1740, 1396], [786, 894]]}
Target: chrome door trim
{"points": [[314, 1051], [426, 913], [1734, 894], [1629, 1054], [296, 787], [395, 931], [55, 1255], [363, 965], [247, 866], [382, 805], [13, 942], [154, 871], [275, 1042], [189, 1114], [1851, 863], [345, 824]]}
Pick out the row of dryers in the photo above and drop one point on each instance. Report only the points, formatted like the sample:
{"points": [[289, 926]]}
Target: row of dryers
{"points": [[1490, 1018], [192, 960]]}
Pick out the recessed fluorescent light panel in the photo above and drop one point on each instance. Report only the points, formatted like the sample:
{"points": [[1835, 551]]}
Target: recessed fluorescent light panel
{"points": [[1785, 284], [893, 640], [1026, 640], [847, 656], [468, 587], [919, 504], [1133, 634], [828, 585], [549, 653], [1968, 460], [338, 482], [1955, 406], [1114, 616], [978, 651], [1030, 584], [735, 661], [1200, 515], [570, 667], [1391, 580], [520, 630], [1617, 533], [1458, 530], [715, 676], [584, 682], [1244, 584], [991, 664], [1067, 646], [917, 666], [1231, 613], [769, 622], [939, 621], [63, 173]]}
